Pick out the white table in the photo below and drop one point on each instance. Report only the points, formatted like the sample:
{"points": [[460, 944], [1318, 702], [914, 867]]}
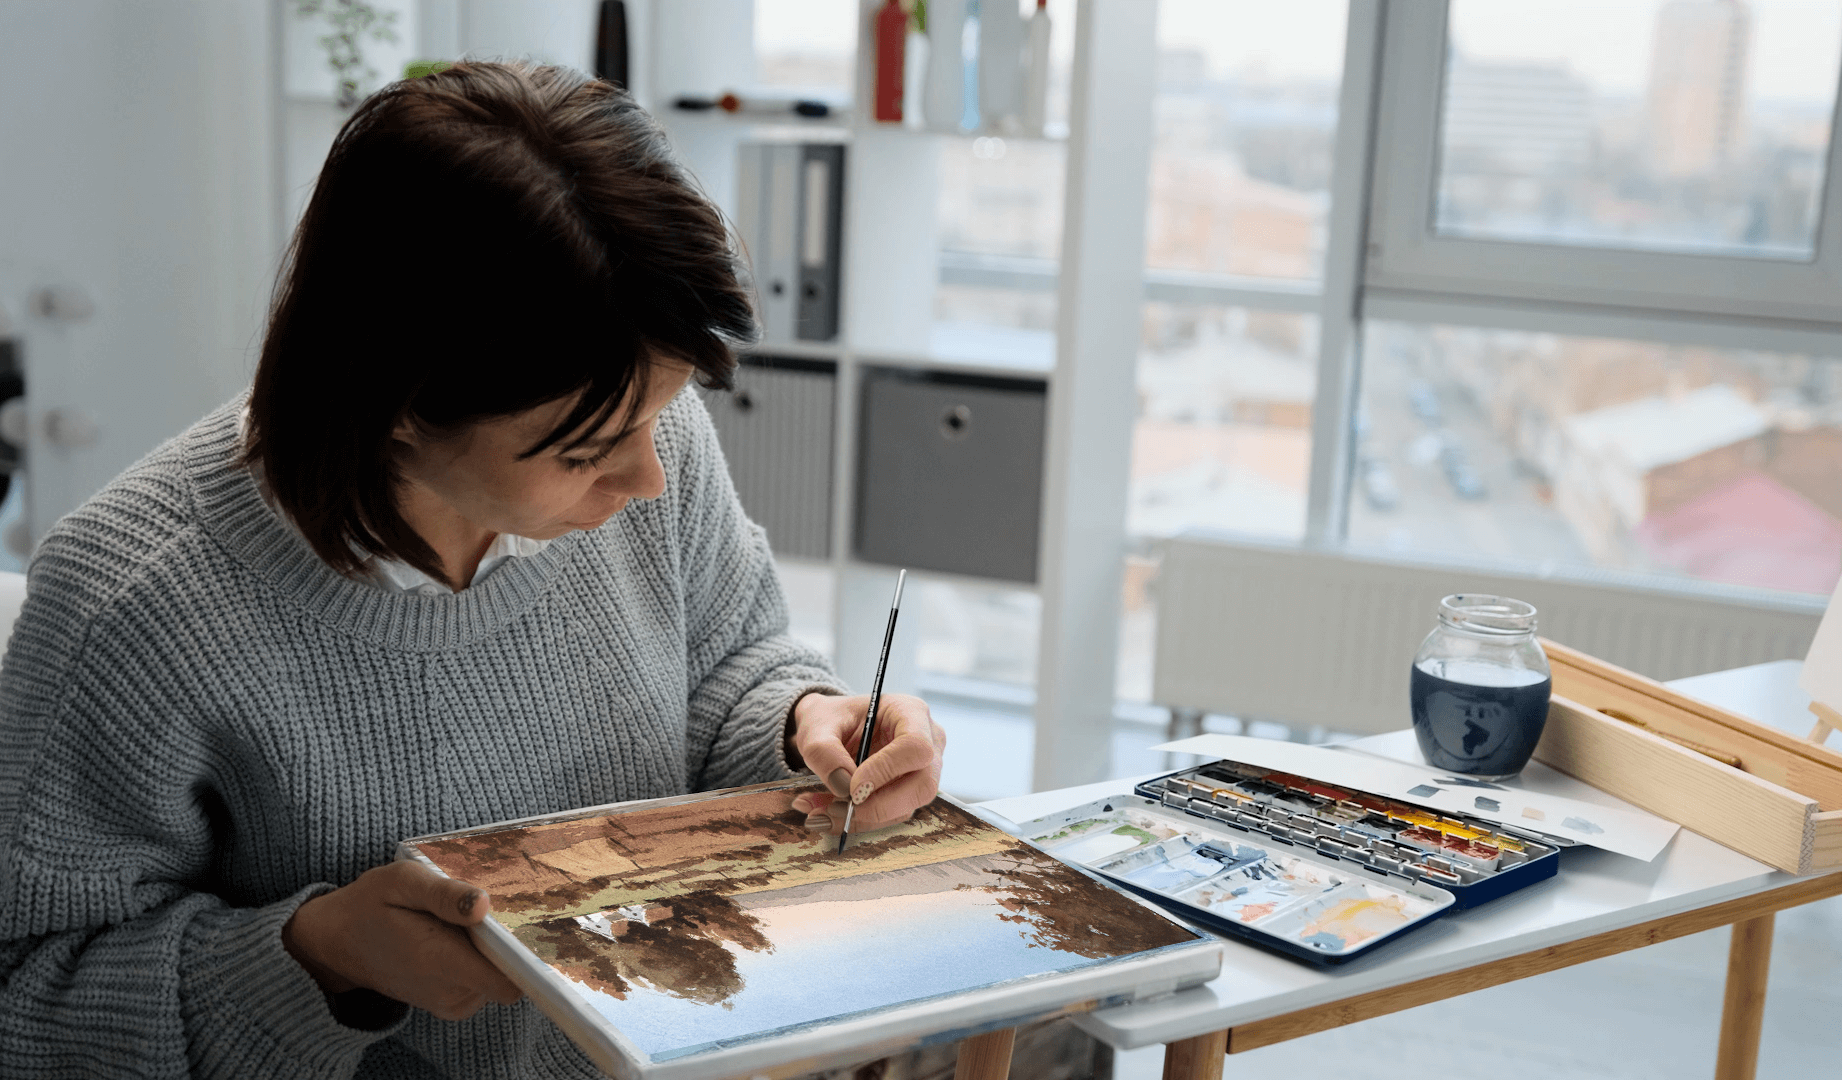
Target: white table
{"points": [[1599, 904]]}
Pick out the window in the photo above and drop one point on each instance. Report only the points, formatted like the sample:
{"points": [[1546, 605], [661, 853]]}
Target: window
{"points": [[1673, 158], [1685, 125], [1714, 464], [1223, 438], [1000, 213], [808, 45], [1246, 114], [980, 633], [1000, 219]]}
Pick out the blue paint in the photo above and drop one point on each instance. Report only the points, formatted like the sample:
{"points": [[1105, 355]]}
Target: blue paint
{"points": [[1583, 825], [1324, 939], [1478, 718]]}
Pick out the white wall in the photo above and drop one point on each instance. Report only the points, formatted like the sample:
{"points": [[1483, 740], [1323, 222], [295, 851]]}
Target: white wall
{"points": [[139, 171], [548, 31], [154, 155]]}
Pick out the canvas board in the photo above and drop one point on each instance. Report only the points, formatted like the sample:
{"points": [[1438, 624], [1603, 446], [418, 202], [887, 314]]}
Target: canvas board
{"points": [[1626, 832], [1822, 674], [713, 935]]}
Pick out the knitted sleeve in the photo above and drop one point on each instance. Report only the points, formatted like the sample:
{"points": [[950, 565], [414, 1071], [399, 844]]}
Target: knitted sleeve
{"points": [[745, 670], [116, 959]]}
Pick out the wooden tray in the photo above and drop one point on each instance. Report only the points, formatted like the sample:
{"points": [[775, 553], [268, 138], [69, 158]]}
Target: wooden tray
{"points": [[1766, 794]]}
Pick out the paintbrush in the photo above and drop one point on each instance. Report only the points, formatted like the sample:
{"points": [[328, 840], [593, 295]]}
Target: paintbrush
{"points": [[876, 695]]}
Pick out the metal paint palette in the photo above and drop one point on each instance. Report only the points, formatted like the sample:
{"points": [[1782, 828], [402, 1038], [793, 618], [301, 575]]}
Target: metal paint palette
{"points": [[1473, 859], [1240, 882]]}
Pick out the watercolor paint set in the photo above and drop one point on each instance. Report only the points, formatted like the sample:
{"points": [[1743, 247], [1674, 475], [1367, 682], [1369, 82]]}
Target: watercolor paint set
{"points": [[1473, 859], [1287, 896]]}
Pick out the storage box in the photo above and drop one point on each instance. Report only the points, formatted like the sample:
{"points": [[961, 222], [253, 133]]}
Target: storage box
{"points": [[950, 472], [776, 428], [1766, 794]]}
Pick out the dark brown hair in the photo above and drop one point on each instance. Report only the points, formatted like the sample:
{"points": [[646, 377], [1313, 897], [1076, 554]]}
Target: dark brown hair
{"points": [[481, 241]]}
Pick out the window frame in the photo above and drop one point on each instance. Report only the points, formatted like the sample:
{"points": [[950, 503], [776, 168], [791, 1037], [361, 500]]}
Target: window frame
{"points": [[1406, 259]]}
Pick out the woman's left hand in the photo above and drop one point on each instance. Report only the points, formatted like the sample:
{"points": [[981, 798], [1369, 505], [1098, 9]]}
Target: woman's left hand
{"points": [[901, 775]]}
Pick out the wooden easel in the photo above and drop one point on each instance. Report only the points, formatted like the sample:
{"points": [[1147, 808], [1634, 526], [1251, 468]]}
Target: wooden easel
{"points": [[1749, 958], [987, 1056], [1827, 720]]}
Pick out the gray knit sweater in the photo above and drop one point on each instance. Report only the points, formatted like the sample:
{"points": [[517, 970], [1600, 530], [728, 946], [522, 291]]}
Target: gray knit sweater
{"points": [[202, 725]]}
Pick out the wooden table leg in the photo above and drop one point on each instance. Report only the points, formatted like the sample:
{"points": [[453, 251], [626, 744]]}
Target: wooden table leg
{"points": [[987, 1056], [1749, 959], [1199, 1058]]}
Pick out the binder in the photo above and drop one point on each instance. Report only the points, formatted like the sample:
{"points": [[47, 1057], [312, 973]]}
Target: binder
{"points": [[821, 239], [790, 212]]}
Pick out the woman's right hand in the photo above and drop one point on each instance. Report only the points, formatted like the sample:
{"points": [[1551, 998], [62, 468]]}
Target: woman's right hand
{"points": [[398, 930]]}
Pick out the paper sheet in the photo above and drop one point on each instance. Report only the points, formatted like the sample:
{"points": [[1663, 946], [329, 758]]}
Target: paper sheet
{"points": [[1822, 677], [1627, 832]]}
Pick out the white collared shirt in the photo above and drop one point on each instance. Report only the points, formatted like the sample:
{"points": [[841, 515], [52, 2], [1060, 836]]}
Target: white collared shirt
{"points": [[396, 576], [402, 577]]}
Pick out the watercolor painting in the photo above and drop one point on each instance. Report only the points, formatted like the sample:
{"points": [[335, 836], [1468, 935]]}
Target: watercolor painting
{"points": [[701, 923]]}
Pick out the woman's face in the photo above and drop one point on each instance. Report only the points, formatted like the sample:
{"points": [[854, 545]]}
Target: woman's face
{"points": [[477, 478]]}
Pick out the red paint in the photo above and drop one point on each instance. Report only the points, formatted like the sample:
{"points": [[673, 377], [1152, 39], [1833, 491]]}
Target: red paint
{"points": [[1475, 849], [891, 48], [1300, 783]]}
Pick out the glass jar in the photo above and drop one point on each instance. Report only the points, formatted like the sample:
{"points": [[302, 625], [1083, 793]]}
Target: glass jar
{"points": [[1480, 687]]}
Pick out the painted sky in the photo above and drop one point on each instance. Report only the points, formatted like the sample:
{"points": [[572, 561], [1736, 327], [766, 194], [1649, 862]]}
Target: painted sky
{"points": [[836, 958]]}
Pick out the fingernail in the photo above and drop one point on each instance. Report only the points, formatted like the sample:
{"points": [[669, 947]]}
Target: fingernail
{"points": [[803, 804], [839, 782], [862, 793], [466, 902], [819, 823]]}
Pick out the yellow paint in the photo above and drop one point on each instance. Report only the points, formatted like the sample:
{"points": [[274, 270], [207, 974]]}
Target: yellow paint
{"points": [[1356, 921], [1453, 828]]}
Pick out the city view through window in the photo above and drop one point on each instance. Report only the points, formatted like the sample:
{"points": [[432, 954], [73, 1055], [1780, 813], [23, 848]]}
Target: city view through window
{"points": [[1716, 464], [1691, 126], [1246, 116], [1687, 125]]}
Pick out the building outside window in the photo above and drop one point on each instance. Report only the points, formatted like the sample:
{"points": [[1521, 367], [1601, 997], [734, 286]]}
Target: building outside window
{"points": [[1689, 125]]}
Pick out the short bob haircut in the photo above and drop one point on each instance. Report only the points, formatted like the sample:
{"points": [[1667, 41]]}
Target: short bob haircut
{"points": [[481, 241]]}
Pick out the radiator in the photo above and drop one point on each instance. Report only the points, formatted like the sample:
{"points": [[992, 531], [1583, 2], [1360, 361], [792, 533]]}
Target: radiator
{"points": [[1305, 637]]}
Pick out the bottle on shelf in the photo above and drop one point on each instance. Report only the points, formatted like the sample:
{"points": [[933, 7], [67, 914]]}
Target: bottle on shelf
{"points": [[1000, 55], [915, 68], [1036, 72], [891, 47], [946, 28]]}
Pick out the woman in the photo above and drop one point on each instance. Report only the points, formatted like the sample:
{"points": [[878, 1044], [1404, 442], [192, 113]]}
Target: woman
{"points": [[468, 552]]}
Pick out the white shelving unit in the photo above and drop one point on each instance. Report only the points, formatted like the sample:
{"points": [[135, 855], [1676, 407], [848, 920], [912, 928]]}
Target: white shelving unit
{"points": [[891, 270]]}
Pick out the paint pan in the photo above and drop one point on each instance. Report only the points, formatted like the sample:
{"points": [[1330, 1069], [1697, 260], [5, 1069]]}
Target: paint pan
{"points": [[1264, 889], [1095, 839], [1281, 887], [1474, 859], [1348, 917]]}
